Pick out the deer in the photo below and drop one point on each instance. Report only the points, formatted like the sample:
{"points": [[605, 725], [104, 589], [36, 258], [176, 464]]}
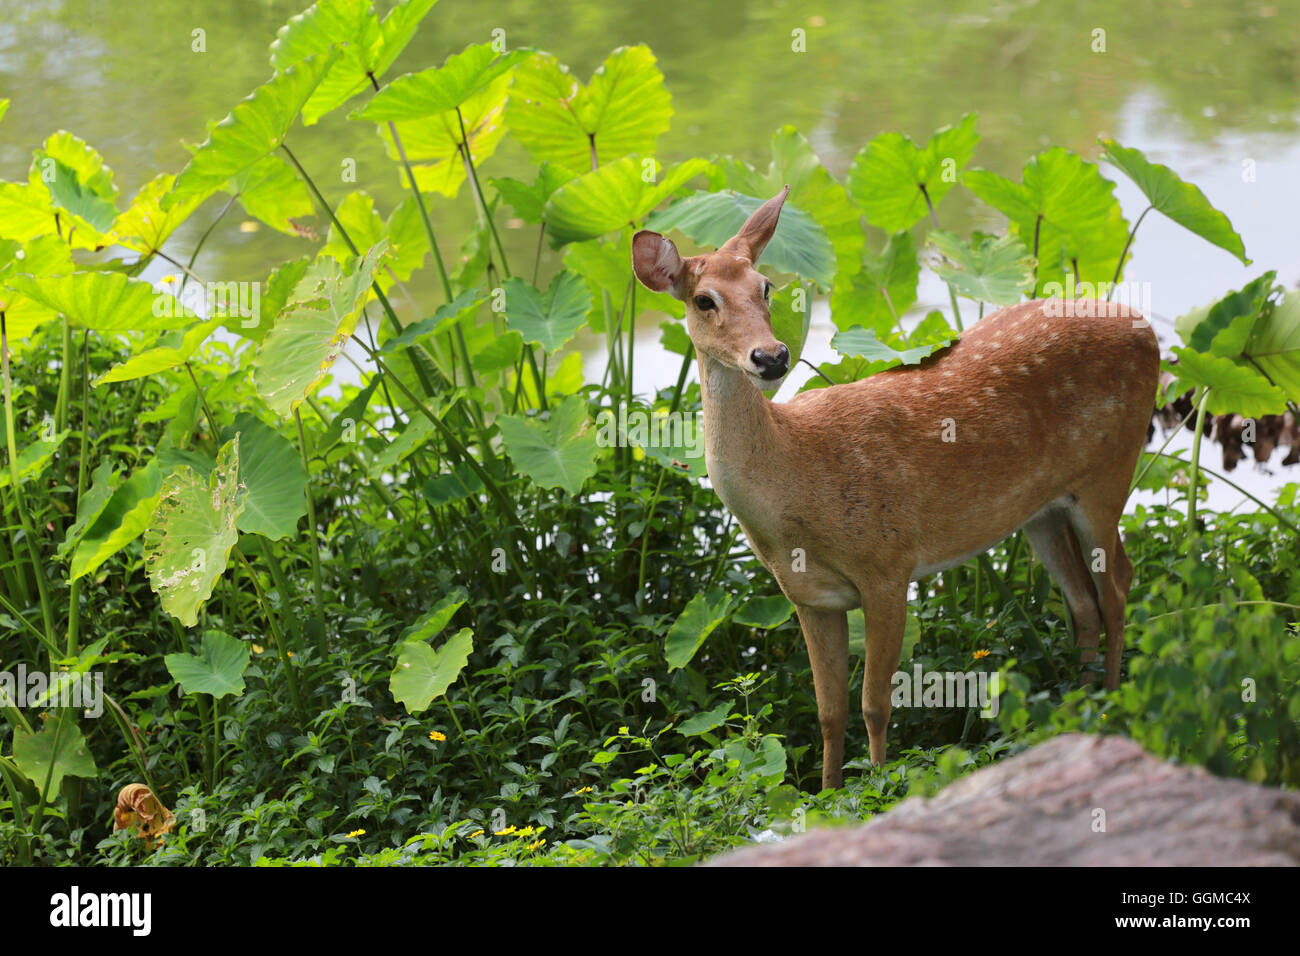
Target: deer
{"points": [[1032, 419]]}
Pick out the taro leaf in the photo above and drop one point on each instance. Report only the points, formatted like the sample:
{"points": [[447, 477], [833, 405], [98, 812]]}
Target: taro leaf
{"points": [[172, 349], [423, 674], [557, 453], [68, 193], [105, 301], [701, 616], [709, 720], [624, 109], [891, 176], [433, 144], [271, 469], [278, 288], [405, 444], [1180, 201], [449, 313], [36, 753], [1065, 213], [612, 197], [439, 89], [31, 461], [884, 288], [80, 184], [255, 127], [791, 314], [528, 201], [1274, 345], [812, 189], [607, 267], [1224, 327], [309, 334], [123, 519], [1234, 388], [191, 534], [218, 668], [800, 245], [271, 191], [431, 622], [548, 319], [369, 46], [997, 270], [765, 612], [42, 256], [863, 343], [460, 483], [103, 482], [145, 226], [25, 211]]}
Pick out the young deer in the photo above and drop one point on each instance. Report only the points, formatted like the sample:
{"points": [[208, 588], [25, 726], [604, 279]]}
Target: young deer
{"points": [[1032, 420]]}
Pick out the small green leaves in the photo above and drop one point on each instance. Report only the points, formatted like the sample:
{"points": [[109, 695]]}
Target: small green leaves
{"points": [[800, 245], [422, 674], [312, 330], [218, 668], [192, 532], [255, 126], [1180, 201], [624, 109], [555, 453], [547, 319], [701, 616], [437, 90], [997, 270], [892, 177]]}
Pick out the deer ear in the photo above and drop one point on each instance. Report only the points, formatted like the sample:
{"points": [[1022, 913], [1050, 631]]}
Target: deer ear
{"points": [[657, 263], [758, 229]]}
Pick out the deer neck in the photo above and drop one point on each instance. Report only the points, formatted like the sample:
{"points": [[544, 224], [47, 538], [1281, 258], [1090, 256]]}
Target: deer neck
{"points": [[742, 444]]}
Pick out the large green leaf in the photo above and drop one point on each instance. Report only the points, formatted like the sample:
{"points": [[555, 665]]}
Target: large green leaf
{"points": [[25, 211], [144, 225], [272, 471], [891, 177], [863, 343], [791, 312], [67, 193], [997, 270], [1274, 345], [309, 334], [368, 46], [878, 294], [105, 301], [556, 453], [607, 267], [1224, 327], [765, 612], [431, 622], [191, 534], [218, 668], [53, 752], [548, 319], [612, 197], [701, 616], [438, 89], [103, 482], [422, 674], [1234, 388], [812, 189], [270, 190], [32, 460], [1065, 213], [528, 200], [255, 126], [623, 110], [800, 245], [122, 520], [1180, 201], [171, 349]]}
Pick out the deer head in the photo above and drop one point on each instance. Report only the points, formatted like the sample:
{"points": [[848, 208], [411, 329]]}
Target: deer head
{"points": [[727, 314]]}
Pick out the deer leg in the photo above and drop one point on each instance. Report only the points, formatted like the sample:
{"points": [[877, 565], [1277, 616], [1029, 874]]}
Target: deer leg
{"points": [[885, 611], [1095, 520], [1055, 545], [827, 635]]}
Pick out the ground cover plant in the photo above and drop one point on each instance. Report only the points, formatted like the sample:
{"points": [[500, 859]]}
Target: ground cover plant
{"points": [[363, 582]]}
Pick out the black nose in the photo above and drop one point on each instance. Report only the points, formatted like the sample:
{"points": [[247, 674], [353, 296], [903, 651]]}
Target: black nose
{"points": [[771, 364]]}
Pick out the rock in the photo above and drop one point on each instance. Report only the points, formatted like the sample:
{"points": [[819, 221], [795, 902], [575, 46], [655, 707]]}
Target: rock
{"points": [[1045, 808]]}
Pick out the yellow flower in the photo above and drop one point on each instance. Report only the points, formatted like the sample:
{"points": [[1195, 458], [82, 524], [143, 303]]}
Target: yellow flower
{"points": [[981, 653], [536, 844], [583, 790], [989, 625], [356, 833], [258, 649], [476, 833], [526, 831], [434, 735], [622, 730], [506, 832]]}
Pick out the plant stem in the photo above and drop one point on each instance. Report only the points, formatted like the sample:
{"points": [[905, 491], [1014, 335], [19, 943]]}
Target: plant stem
{"points": [[1196, 458]]}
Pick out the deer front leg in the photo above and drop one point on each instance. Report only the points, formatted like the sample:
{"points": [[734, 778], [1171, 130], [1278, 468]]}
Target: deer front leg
{"points": [[885, 610], [827, 635]]}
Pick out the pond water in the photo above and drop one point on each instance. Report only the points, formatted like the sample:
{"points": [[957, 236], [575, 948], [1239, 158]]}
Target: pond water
{"points": [[1209, 88]]}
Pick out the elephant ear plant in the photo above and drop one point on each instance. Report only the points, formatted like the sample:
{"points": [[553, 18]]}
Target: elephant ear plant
{"points": [[376, 487]]}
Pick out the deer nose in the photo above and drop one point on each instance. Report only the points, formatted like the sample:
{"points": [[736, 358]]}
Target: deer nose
{"points": [[771, 364]]}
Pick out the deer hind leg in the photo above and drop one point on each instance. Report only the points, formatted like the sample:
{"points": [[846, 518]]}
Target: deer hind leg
{"points": [[884, 608], [827, 635], [1094, 516], [1055, 545]]}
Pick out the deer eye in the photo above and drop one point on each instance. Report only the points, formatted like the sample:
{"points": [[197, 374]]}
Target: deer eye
{"points": [[704, 303], [767, 291]]}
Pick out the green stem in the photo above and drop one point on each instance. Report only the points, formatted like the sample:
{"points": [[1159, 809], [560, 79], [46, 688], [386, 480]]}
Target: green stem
{"points": [[478, 191], [1196, 459], [313, 545]]}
